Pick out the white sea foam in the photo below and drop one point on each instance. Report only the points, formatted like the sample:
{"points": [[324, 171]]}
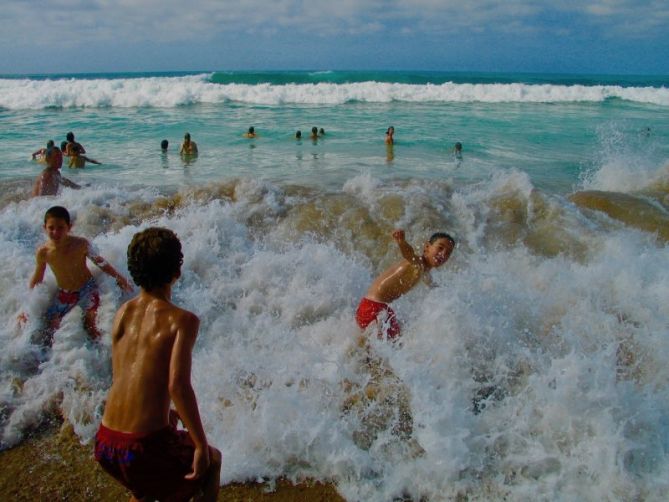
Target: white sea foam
{"points": [[537, 342], [18, 94]]}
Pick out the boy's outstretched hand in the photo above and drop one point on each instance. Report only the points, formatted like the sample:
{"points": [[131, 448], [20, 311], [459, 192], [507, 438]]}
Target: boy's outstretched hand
{"points": [[398, 235]]}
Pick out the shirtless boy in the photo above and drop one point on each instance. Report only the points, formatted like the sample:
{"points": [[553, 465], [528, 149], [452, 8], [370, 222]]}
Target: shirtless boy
{"points": [[400, 278], [251, 133], [50, 179], [66, 255], [152, 343], [188, 147]]}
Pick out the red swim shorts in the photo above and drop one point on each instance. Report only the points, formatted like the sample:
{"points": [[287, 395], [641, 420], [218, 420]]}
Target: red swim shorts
{"points": [[149, 465], [370, 311]]}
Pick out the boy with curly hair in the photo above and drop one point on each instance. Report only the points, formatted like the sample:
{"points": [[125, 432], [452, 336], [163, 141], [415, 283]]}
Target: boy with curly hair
{"points": [[152, 343]]}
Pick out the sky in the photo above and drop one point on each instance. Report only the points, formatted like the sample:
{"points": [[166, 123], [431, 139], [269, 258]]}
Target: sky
{"points": [[537, 36]]}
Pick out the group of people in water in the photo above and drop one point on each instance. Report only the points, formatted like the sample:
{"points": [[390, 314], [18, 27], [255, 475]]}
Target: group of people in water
{"points": [[50, 179], [138, 442]]}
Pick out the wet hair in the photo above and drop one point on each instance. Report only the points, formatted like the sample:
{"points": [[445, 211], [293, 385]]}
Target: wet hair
{"points": [[321, 131], [50, 144], [252, 130], [458, 146], [69, 136], [441, 235], [63, 145], [298, 134], [164, 143], [389, 129], [57, 212], [187, 136], [154, 257], [314, 130]]}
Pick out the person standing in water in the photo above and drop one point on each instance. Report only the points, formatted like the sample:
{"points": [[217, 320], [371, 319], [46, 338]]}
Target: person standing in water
{"points": [[49, 180], [457, 151], [75, 151], [390, 132], [188, 147]]}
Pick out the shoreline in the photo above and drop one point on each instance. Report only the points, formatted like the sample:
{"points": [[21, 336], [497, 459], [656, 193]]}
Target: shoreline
{"points": [[51, 464]]}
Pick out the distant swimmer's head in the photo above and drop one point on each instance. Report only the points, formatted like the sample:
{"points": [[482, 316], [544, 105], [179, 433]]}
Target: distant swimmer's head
{"points": [[154, 258], [458, 147], [391, 130], [252, 130], [314, 130], [164, 144], [69, 136], [187, 136], [63, 145], [50, 144], [438, 249], [298, 134], [321, 131]]}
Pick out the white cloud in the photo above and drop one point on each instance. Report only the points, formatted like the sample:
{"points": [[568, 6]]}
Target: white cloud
{"points": [[76, 22]]}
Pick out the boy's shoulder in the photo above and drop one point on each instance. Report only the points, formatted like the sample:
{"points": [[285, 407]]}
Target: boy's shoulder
{"points": [[77, 241], [167, 309], [43, 250]]}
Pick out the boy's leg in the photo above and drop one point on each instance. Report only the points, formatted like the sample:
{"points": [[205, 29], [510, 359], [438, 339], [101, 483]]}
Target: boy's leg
{"points": [[61, 305], [89, 323], [90, 301], [212, 481]]}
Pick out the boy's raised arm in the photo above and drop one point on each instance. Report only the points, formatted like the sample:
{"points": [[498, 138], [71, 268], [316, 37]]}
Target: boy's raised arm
{"points": [[182, 393], [405, 248]]}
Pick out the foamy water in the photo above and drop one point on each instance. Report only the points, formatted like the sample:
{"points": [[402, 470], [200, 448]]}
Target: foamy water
{"points": [[535, 369], [17, 94]]}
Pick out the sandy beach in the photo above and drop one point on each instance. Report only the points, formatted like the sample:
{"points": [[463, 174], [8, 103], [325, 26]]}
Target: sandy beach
{"points": [[52, 465]]}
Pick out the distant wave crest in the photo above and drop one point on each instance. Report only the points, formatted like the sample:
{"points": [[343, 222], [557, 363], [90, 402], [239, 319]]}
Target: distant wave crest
{"points": [[16, 94]]}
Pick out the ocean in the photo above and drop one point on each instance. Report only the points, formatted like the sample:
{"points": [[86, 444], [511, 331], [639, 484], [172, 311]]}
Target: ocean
{"points": [[534, 368]]}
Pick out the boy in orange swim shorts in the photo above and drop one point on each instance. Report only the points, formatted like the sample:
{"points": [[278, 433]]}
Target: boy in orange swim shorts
{"points": [[400, 278]]}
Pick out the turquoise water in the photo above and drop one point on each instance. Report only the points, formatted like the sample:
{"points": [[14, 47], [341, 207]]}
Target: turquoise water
{"points": [[529, 122], [535, 368]]}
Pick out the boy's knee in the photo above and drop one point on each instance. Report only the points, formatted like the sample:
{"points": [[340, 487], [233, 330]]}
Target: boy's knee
{"points": [[215, 457]]}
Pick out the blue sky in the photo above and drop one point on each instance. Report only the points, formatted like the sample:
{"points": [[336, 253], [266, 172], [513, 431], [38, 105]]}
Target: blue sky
{"points": [[568, 36]]}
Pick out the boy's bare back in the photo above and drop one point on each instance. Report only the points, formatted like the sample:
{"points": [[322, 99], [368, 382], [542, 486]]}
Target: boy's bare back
{"points": [[152, 341]]}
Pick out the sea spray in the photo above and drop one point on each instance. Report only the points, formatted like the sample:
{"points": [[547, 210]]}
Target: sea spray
{"points": [[529, 371]]}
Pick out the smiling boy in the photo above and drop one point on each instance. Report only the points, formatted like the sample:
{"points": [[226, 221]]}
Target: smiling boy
{"points": [[399, 279], [66, 255]]}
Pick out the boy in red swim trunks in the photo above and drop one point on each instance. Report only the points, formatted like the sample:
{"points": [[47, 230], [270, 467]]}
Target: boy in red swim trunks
{"points": [[400, 278], [66, 255], [152, 342]]}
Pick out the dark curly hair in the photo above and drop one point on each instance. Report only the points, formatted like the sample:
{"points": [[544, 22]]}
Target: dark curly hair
{"points": [[154, 257]]}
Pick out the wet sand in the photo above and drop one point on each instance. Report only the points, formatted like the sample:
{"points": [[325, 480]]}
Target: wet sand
{"points": [[52, 465]]}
